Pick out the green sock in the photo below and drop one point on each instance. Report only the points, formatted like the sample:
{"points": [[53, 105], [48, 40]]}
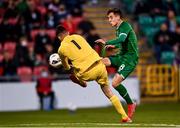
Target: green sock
{"points": [[123, 92]]}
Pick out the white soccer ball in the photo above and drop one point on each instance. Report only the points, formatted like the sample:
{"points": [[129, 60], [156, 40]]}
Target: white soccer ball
{"points": [[54, 60]]}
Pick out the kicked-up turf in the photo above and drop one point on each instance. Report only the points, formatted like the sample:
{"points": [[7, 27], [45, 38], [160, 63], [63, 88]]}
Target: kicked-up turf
{"points": [[147, 115]]}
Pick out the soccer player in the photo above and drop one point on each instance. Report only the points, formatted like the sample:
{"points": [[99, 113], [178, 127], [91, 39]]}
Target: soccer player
{"points": [[126, 58], [86, 65]]}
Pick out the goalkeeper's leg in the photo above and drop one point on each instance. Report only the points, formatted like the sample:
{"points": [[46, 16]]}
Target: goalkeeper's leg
{"points": [[116, 103], [102, 80]]}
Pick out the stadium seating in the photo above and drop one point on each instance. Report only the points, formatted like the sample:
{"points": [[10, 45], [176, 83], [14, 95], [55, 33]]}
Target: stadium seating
{"points": [[149, 33], [42, 10], [10, 46], [51, 33], [167, 57], [145, 20], [129, 5], [158, 20], [178, 19], [34, 33], [24, 73]]}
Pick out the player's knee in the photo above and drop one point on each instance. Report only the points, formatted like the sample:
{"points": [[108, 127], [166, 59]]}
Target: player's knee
{"points": [[115, 84], [107, 91], [117, 80]]}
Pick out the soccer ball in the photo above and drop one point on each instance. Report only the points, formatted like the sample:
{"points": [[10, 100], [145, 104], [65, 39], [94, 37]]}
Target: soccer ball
{"points": [[54, 60]]}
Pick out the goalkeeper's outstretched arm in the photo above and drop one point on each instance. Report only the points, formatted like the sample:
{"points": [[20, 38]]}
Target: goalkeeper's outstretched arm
{"points": [[65, 63]]}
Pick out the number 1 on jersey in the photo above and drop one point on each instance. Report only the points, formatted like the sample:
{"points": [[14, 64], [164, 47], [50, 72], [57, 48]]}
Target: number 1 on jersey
{"points": [[76, 44]]}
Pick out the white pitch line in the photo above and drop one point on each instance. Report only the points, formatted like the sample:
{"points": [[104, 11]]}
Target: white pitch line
{"points": [[94, 124]]}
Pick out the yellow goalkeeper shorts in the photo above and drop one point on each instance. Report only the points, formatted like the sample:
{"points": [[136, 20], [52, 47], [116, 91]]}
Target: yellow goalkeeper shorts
{"points": [[96, 72]]}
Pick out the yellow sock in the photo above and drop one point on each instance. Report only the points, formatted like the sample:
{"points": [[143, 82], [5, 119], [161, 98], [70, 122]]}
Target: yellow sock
{"points": [[117, 104]]}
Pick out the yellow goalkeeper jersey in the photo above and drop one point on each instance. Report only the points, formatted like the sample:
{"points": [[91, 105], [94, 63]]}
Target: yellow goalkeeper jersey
{"points": [[76, 49]]}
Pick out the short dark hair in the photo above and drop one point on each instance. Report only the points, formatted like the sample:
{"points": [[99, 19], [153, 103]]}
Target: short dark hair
{"points": [[60, 29], [116, 11]]}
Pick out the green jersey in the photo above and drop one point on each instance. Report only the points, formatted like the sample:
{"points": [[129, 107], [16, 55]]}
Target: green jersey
{"points": [[126, 41]]}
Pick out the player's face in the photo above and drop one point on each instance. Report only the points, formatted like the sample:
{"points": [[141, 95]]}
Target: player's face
{"points": [[113, 19]]}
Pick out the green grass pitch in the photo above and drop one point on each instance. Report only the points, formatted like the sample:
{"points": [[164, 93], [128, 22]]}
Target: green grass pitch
{"points": [[147, 115]]}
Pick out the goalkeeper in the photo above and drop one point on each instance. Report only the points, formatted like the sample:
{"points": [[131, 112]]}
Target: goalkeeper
{"points": [[86, 65], [126, 58]]}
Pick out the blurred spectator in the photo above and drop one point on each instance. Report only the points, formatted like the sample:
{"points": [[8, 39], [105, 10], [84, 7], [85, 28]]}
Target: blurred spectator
{"points": [[11, 11], [91, 37], [162, 41], [60, 14], [9, 64], [156, 7], [50, 19], [9, 30], [41, 39], [49, 51], [33, 16], [22, 52], [140, 7], [85, 25], [176, 35], [176, 45], [76, 12], [54, 5], [171, 21], [177, 7], [23, 28], [4, 3], [45, 92], [39, 60], [177, 55], [69, 24], [31, 55], [46, 3], [72, 4], [3, 31], [169, 5], [22, 7]]}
